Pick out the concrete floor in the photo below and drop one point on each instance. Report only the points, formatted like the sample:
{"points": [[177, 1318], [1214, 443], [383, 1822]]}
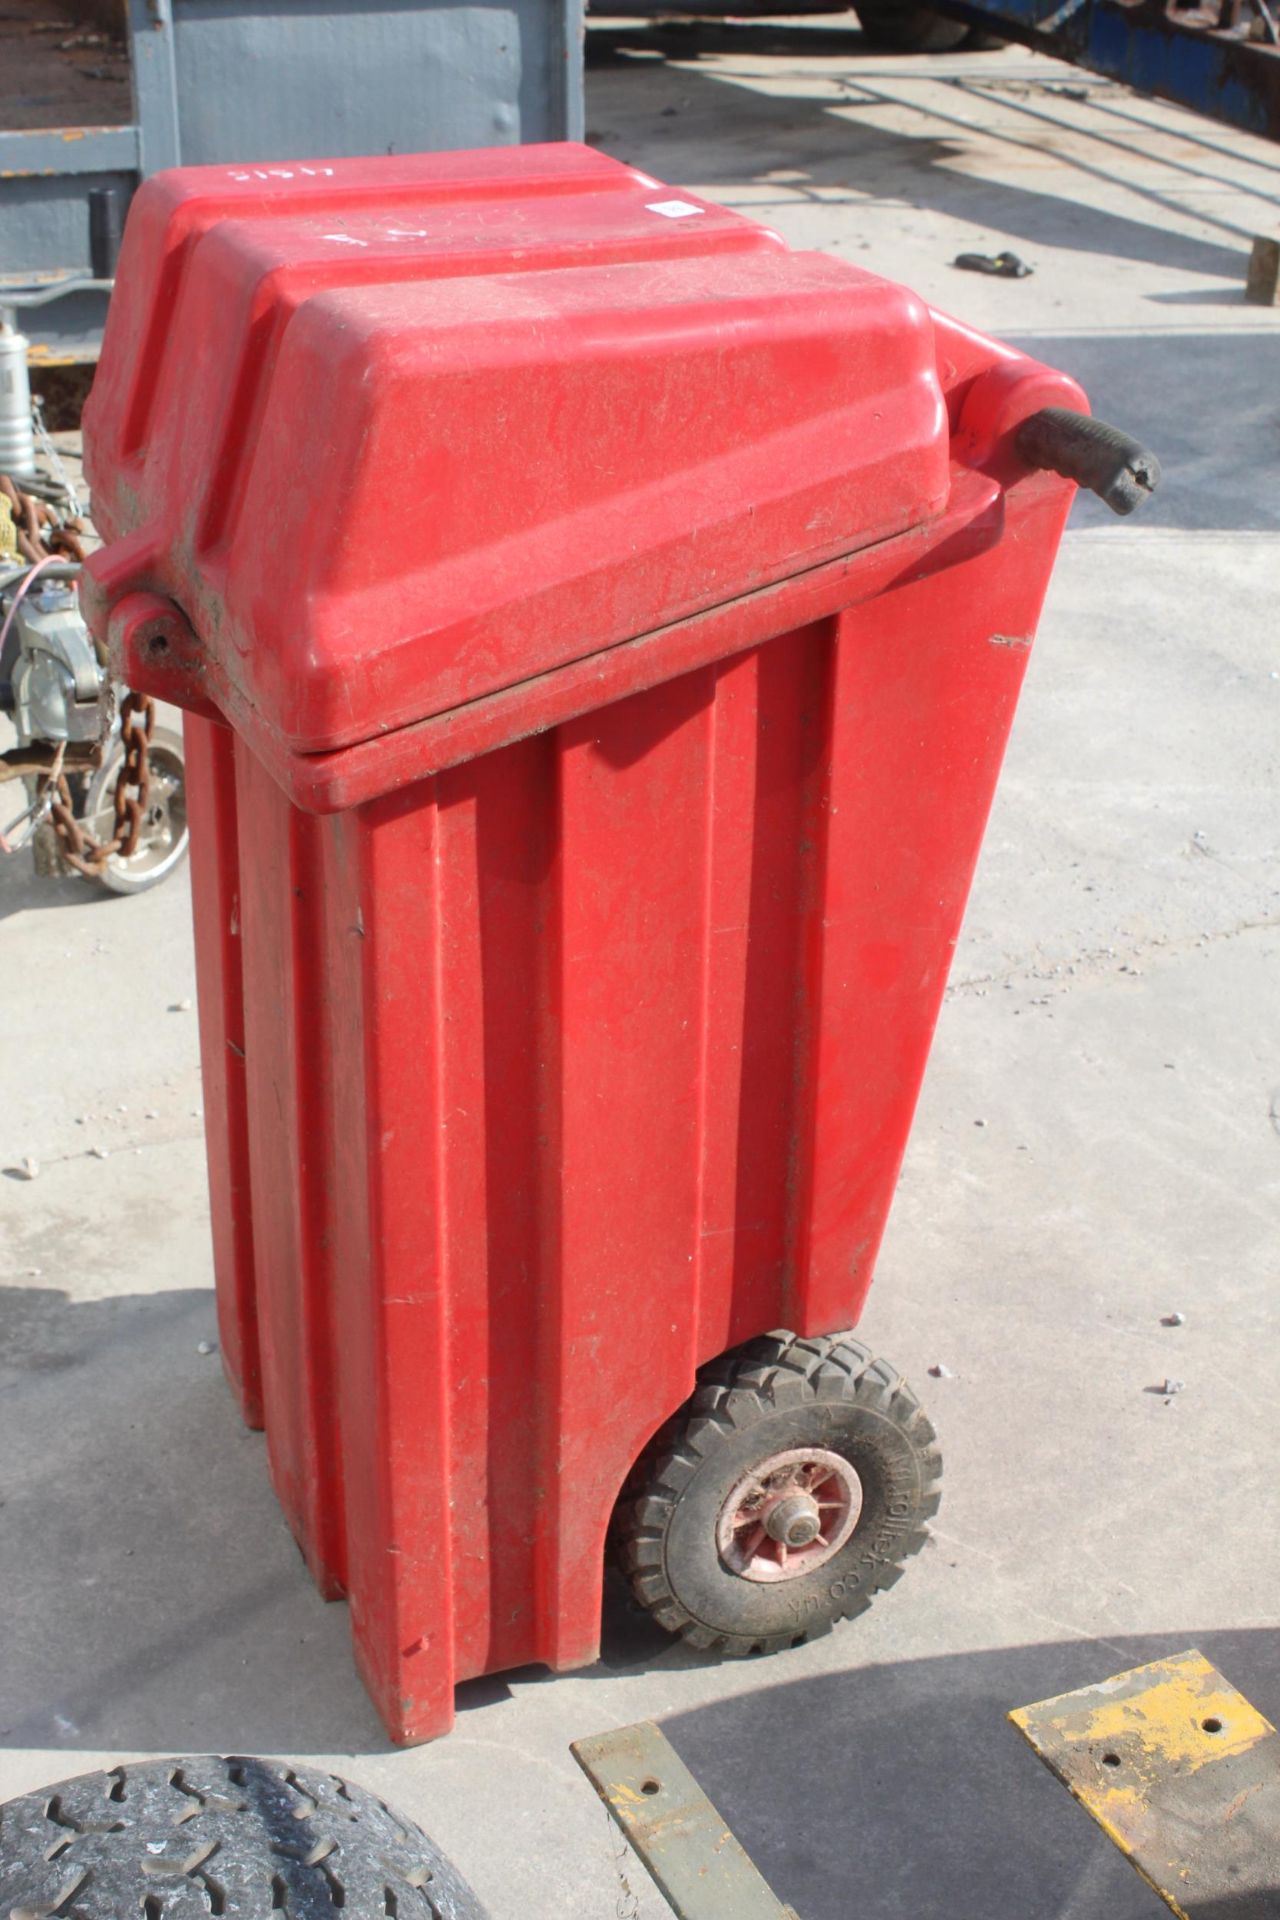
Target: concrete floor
{"points": [[1112, 1023]]}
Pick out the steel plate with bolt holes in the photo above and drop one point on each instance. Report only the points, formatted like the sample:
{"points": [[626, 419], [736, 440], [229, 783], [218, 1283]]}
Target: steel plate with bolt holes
{"points": [[1182, 1773], [702, 1869]]}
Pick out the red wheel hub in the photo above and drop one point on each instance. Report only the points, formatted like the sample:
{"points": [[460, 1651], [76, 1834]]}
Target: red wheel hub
{"points": [[789, 1514]]}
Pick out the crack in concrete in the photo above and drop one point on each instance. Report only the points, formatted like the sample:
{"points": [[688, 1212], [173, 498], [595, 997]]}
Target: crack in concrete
{"points": [[1104, 959]]}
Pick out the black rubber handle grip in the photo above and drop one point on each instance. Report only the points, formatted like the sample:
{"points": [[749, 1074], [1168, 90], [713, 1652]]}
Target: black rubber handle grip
{"points": [[1111, 464]]}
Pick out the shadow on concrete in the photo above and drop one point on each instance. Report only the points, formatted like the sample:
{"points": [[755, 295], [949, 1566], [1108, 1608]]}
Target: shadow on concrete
{"points": [[901, 1789], [20, 890], [631, 1642], [821, 143], [154, 1598], [1205, 404], [1202, 297]]}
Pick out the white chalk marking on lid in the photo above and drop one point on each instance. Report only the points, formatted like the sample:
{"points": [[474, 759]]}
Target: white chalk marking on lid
{"points": [[344, 239], [673, 209], [278, 173]]}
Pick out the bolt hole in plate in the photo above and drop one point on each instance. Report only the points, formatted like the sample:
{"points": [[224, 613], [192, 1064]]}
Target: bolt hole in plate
{"points": [[1111, 1759], [1212, 1724], [651, 1786], [789, 1515]]}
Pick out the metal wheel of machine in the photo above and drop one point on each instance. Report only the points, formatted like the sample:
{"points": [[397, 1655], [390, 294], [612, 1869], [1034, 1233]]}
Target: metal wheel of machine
{"points": [[790, 1488], [162, 843], [249, 1838]]}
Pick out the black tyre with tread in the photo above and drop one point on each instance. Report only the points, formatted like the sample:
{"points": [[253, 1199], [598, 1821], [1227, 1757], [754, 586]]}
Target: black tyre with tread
{"points": [[774, 1394], [245, 1839]]}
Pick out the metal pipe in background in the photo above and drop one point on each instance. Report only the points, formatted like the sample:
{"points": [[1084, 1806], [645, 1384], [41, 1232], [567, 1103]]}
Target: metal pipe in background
{"points": [[17, 439]]}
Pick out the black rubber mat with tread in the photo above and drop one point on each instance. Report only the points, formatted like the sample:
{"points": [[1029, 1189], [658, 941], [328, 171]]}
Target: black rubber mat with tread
{"points": [[245, 1839]]}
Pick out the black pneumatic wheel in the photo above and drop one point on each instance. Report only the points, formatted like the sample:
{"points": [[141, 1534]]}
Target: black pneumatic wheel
{"points": [[790, 1488], [251, 1839]]}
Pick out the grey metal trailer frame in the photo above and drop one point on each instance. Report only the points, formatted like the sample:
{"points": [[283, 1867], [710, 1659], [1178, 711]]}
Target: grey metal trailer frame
{"points": [[262, 81]]}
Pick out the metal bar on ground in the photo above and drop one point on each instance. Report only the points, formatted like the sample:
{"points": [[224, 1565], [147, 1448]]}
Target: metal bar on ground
{"points": [[1182, 1773], [1157, 47], [700, 1866]]}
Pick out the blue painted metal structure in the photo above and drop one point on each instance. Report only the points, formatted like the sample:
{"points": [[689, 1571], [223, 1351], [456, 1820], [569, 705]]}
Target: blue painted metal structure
{"points": [[1221, 58], [271, 80]]}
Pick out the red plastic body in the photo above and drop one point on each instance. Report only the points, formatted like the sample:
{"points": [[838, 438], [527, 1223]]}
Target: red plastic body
{"points": [[600, 628]]}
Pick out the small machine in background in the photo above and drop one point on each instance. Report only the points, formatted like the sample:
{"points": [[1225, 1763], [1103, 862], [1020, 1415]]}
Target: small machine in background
{"points": [[105, 792]]}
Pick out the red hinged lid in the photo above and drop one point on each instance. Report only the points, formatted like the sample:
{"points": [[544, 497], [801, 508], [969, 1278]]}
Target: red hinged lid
{"points": [[397, 434]]}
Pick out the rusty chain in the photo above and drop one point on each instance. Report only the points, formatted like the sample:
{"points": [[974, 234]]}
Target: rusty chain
{"points": [[42, 534], [39, 532], [133, 784]]}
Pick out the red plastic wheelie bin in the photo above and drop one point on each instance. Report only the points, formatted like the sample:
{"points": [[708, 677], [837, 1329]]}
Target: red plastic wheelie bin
{"points": [[599, 628]]}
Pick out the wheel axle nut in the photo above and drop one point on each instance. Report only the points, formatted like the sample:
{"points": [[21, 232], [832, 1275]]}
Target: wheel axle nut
{"points": [[794, 1520], [789, 1514]]}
